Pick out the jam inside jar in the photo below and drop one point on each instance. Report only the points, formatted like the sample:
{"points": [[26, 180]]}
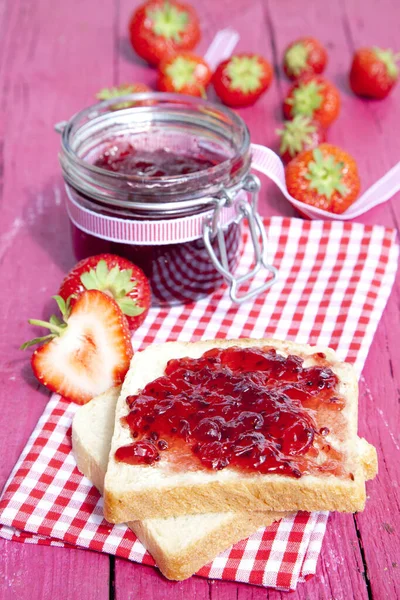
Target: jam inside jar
{"points": [[142, 181], [123, 157]]}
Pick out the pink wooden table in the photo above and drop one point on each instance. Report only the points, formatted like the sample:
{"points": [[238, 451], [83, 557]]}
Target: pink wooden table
{"points": [[54, 56]]}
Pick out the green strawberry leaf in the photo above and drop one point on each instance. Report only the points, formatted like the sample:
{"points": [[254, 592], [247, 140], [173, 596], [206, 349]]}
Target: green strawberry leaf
{"points": [[61, 305], [113, 275], [307, 98], [116, 92], [325, 175], [102, 272], [296, 134], [89, 280], [56, 326], [35, 341], [182, 72], [114, 281], [389, 59], [129, 307], [296, 58], [168, 21], [54, 320], [245, 73]]}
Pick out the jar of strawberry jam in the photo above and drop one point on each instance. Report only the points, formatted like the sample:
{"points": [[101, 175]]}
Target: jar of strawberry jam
{"points": [[164, 180]]}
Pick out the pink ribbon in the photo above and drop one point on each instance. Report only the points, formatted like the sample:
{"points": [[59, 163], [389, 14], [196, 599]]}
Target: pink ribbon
{"points": [[142, 232]]}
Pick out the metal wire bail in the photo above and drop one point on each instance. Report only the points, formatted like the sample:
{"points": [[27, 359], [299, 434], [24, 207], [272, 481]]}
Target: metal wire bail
{"points": [[212, 228]]}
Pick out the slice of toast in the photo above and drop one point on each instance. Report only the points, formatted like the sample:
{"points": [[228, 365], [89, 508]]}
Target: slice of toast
{"points": [[180, 546], [153, 491]]}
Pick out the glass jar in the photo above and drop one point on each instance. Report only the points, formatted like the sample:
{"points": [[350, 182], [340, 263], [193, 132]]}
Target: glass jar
{"points": [[183, 230]]}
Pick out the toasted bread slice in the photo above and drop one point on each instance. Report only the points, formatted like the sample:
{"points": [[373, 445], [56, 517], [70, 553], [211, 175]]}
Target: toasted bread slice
{"points": [[140, 491], [180, 546]]}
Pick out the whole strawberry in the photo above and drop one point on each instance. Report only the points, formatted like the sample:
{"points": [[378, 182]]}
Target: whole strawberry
{"points": [[159, 28], [185, 73], [374, 72], [117, 277], [302, 133], [306, 55], [123, 90], [325, 177], [242, 79], [315, 97]]}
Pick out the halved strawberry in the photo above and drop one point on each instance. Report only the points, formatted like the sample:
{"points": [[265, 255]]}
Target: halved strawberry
{"points": [[87, 352], [117, 277]]}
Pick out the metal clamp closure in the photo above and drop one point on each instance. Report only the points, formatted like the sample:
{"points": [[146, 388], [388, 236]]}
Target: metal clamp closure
{"points": [[212, 228]]}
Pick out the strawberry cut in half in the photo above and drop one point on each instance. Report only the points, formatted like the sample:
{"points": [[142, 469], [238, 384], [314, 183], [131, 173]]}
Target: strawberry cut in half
{"points": [[242, 79], [87, 351], [117, 277]]}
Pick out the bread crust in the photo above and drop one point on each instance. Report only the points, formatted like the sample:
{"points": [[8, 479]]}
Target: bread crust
{"points": [[181, 565], [245, 496], [125, 499]]}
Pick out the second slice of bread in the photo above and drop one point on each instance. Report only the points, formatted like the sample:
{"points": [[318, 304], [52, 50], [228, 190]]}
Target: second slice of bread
{"points": [[180, 546], [141, 491]]}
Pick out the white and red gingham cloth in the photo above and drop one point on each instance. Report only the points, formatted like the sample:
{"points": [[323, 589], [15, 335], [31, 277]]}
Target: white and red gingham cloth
{"points": [[334, 281]]}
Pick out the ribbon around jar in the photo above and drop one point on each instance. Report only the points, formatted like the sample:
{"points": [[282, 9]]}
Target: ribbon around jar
{"points": [[142, 231]]}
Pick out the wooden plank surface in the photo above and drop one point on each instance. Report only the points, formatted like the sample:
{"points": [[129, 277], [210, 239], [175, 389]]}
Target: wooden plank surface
{"points": [[380, 408], [53, 57], [41, 73]]}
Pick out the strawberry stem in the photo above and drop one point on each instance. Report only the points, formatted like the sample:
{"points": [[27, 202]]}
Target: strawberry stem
{"points": [[245, 73], [182, 71], [53, 328], [38, 340], [389, 58], [55, 325], [296, 134], [296, 58], [307, 98], [325, 174], [168, 21], [122, 90], [118, 284]]}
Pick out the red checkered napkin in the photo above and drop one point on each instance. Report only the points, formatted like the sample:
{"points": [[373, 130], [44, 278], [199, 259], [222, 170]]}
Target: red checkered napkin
{"points": [[334, 281]]}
